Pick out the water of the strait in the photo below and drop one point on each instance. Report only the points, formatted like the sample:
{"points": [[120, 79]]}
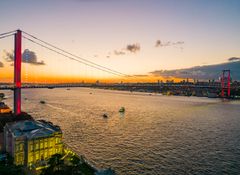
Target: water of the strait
{"points": [[156, 135]]}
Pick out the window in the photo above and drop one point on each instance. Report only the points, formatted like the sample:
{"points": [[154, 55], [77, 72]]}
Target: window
{"points": [[41, 145], [37, 157], [31, 147], [31, 158], [51, 143], [45, 154], [36, 146], [60, 149], [16, 158], [19, 159], [16, 148], [45, 144], [21, 147], [50, 152]]}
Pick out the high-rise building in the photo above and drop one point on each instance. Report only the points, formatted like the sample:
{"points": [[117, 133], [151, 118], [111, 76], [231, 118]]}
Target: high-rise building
{"points": [[31, 143]]}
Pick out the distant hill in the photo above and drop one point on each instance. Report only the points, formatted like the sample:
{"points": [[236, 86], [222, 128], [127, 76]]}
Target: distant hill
{"points": [[202, 72]]}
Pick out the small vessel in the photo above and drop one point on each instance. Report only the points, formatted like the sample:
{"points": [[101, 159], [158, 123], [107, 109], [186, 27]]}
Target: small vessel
{"points": [[105, 115], [68, 89], [42, 102], [212, 95], [4, 109], [122, 109], [2, 95]]}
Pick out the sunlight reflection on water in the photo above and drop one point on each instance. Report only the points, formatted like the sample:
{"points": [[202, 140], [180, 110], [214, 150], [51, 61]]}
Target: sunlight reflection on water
{"points": [[156, 135]]}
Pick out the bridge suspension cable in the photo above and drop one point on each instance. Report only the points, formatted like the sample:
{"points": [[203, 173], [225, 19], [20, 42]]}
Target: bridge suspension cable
{"points": [[7, 34], [1, 37], [67, 54], [76, 58], [72, 58], [10, 32]]}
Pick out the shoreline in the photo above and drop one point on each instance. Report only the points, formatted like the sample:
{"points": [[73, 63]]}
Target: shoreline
{"points": [[67, 149], [149, 93]]}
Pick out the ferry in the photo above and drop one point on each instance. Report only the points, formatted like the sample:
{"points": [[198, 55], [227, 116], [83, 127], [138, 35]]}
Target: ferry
{"points": [[42, 102], [4, 109], [212, 95], [105, 115], [122, 109], [2, 95]]}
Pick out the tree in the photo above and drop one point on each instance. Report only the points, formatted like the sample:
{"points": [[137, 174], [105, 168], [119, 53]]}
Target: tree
{"points": [[75, 161], [56, 166], [8, 168]]}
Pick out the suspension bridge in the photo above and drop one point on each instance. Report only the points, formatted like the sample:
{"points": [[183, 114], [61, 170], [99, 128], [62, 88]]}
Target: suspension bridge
{"points": [[19, 83]]}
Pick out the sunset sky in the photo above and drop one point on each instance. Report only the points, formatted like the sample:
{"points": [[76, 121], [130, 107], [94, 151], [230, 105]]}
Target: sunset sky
{"points": [[134, 37]]}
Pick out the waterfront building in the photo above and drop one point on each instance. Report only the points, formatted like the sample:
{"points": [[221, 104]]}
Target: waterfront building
{"points": [[4, 109], [31, 143]]}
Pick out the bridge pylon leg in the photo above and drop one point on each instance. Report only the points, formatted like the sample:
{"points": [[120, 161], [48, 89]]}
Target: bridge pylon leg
{"points": [[226, 83], [17, 72]]}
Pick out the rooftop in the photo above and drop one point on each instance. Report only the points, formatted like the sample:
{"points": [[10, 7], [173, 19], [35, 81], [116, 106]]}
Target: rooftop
{"points": [[32, 128], [9, 118]]}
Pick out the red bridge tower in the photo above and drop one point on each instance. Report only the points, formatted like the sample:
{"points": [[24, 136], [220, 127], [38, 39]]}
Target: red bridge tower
{"points": [[225, 83], [17, 72]]}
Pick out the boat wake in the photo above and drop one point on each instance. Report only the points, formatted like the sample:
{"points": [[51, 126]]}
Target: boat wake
{"points": [[63, 110]]}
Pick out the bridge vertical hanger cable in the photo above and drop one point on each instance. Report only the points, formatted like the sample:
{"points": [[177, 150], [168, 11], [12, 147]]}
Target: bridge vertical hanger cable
{"points": [[91, 63], [4, 36], [23, 65], [83, 59], [85, 72], [41, 70], [44, 76], [72, 58], [80, 72]]}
